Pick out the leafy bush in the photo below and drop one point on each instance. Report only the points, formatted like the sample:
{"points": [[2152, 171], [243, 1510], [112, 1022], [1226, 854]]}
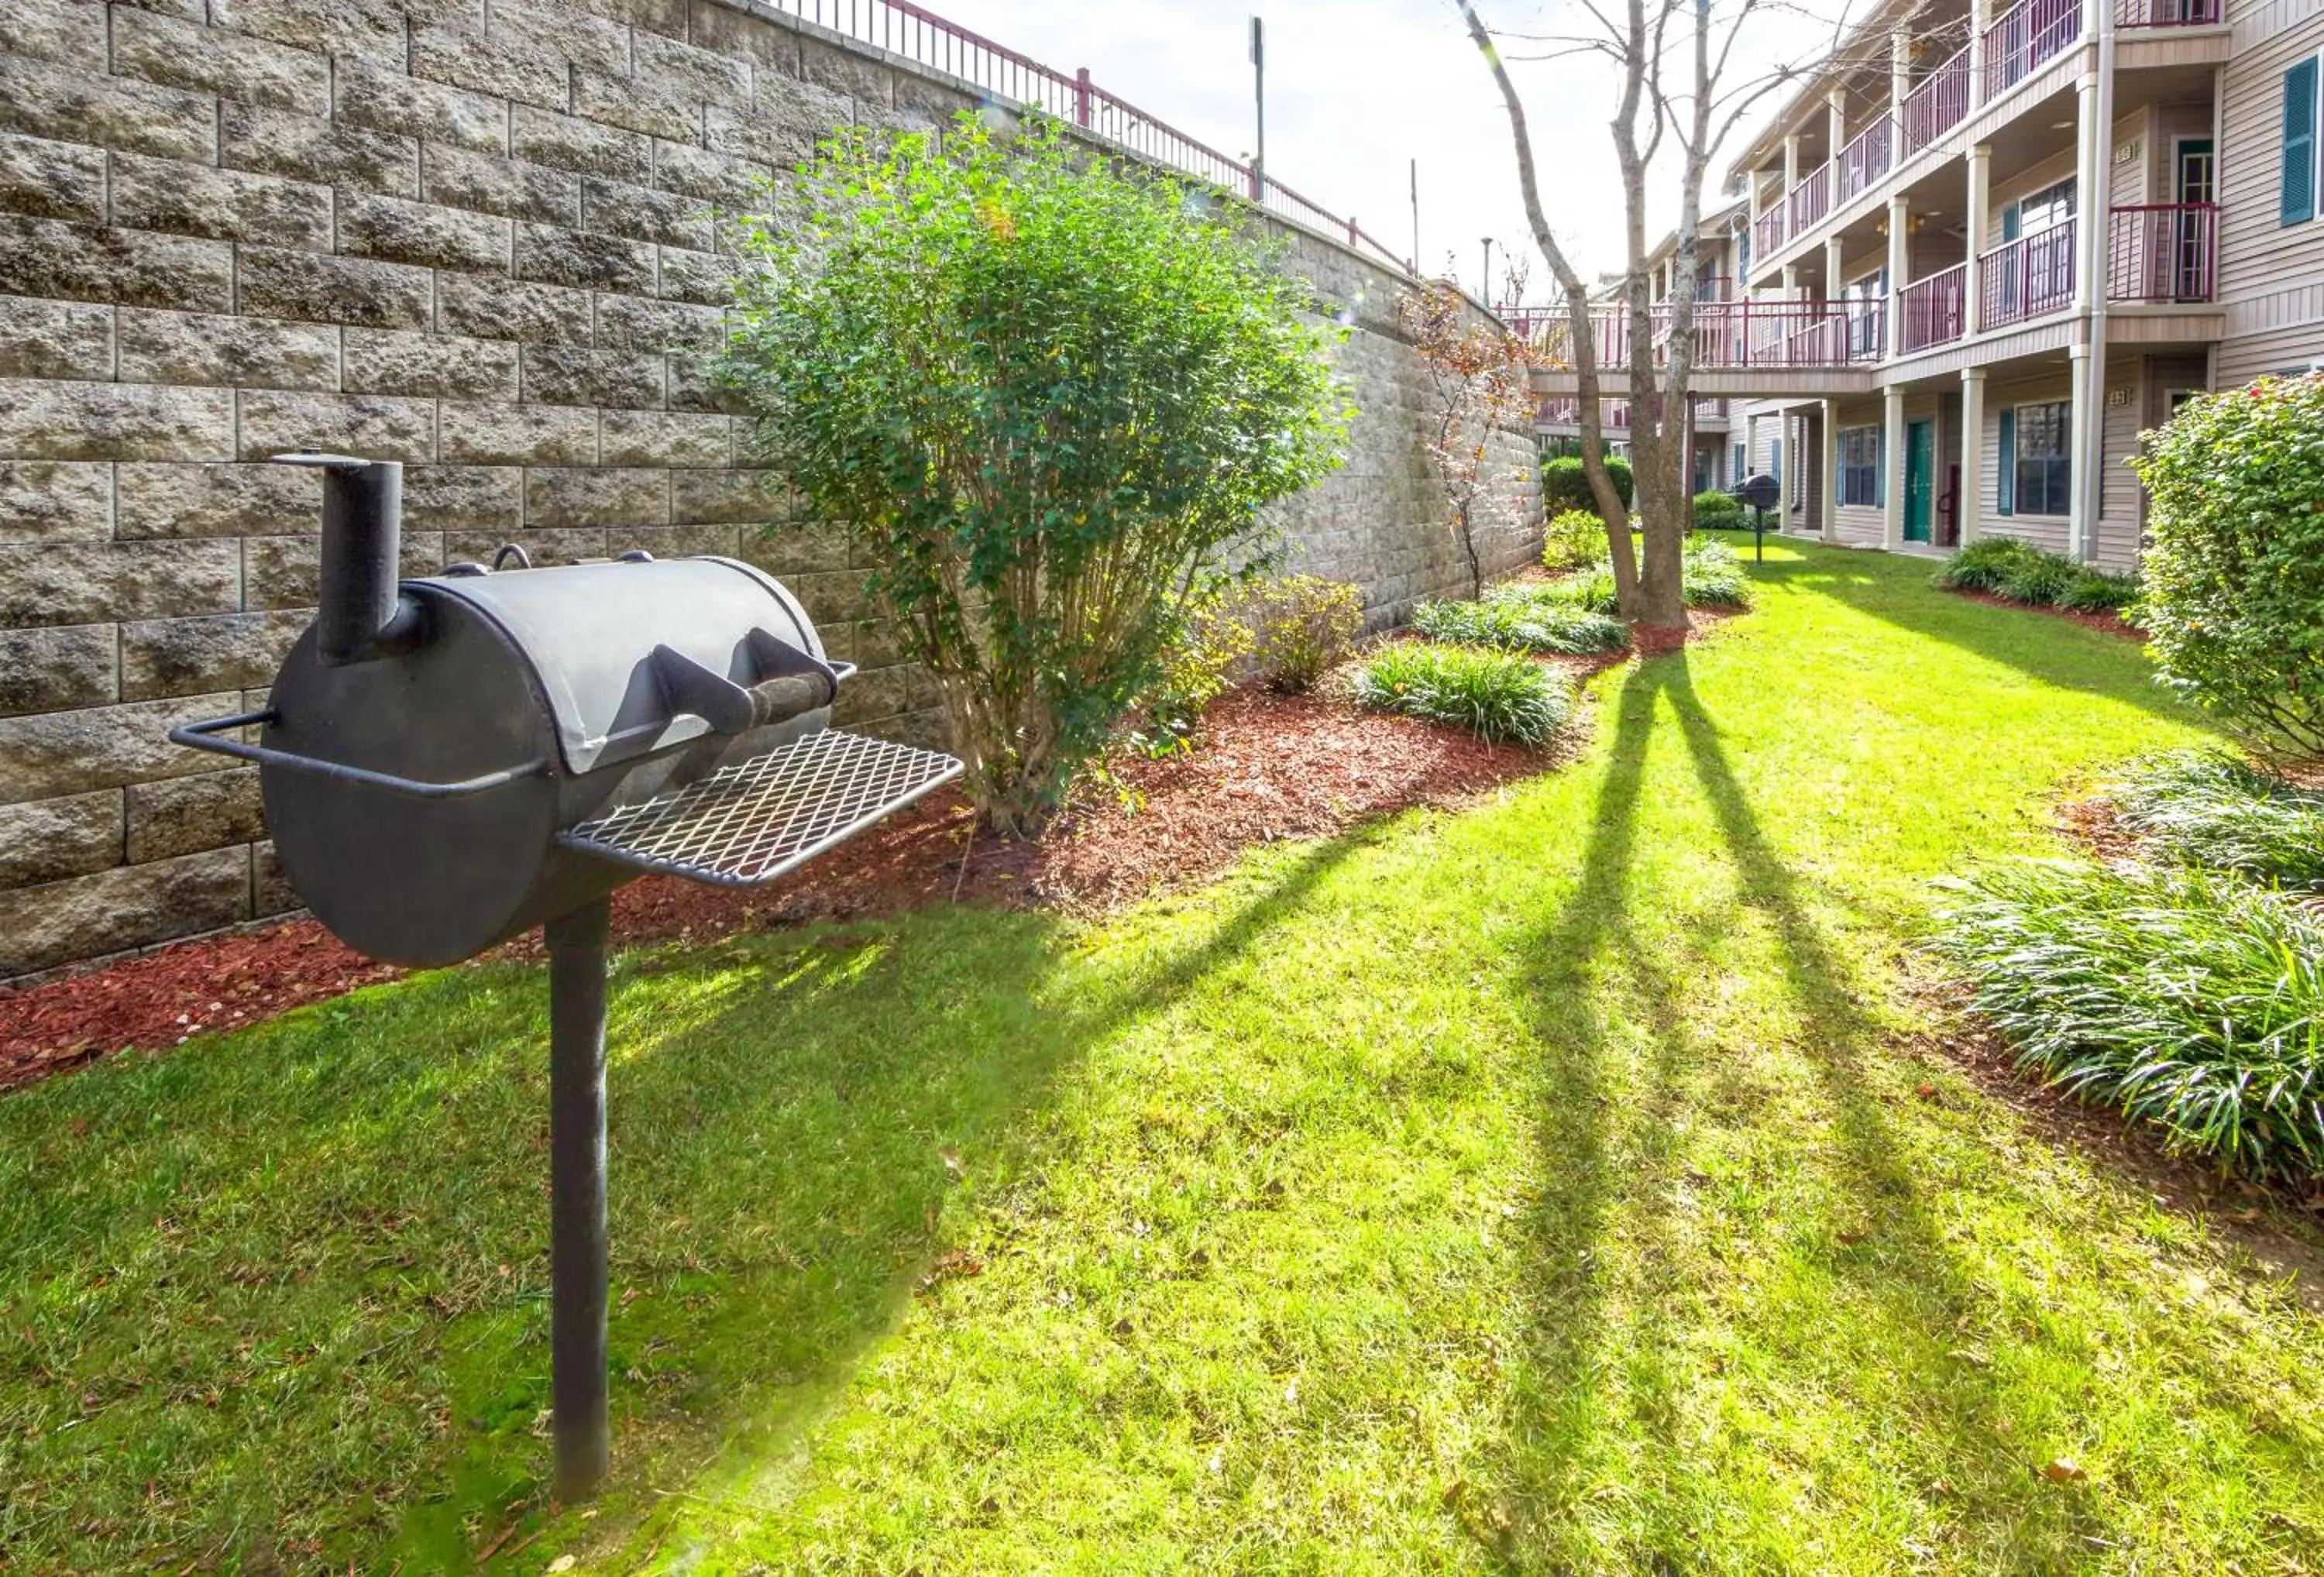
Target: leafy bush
{"points": [[1572, 538], [2038, 580], [2188, 998], [1043, 390], [1494, 696], [1300, 626], [1566, 485], [1521, 619], [1590, 590], [1984, 564], [1718, 511], [2019, 572], [1209, 637], [2213, 809], [2096, 592], [2233, 581], [1713, 577]]}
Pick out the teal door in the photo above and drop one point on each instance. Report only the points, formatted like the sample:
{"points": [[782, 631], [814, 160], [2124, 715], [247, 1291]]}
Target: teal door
{"points": [[1920, 478]]}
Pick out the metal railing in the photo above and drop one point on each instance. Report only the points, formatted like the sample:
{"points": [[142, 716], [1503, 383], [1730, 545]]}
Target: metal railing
{"points": [[1939, 104], [1727, 336], [1933, 311], [1867, 158], [2162, 252], [2026, 38], [906, 29], [1811, 200], [1768, 231], [2165, 13], [2030, 277]]}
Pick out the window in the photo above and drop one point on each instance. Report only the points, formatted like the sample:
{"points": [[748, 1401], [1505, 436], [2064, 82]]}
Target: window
{"points": [[2041, 211], [1860, 465], [1742, 466], [2296, 197], [2036, 463], [1865, 302]]}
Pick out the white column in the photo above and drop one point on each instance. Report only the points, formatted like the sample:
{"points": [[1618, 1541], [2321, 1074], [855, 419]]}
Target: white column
{"points": [[1981, 202], [1832, 471], [2084, 496], [1900, 266], [1980, 18], [1833, 265], [1835, 109], [1900, 80], [1791, 281], [1791, 177], [1892, 465], [1970, 508], [2090, 184]]}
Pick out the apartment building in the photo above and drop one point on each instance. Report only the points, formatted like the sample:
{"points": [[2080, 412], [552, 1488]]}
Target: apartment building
{"points": [[1983, 248]]}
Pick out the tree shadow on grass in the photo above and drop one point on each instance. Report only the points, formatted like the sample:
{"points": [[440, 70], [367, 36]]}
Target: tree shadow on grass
{"points": [[283, 1295]]}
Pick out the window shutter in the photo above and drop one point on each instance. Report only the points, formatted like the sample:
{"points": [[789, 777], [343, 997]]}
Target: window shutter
{"points": [[2297, 199], [1880, 468], [2007, 502]]}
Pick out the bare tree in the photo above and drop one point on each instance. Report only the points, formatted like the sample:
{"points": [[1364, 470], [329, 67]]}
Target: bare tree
{"points": [[1477, 387]]}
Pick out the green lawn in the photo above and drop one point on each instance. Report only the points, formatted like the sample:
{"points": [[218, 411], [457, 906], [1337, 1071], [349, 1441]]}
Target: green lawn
{"points": [[1542, 1188]]}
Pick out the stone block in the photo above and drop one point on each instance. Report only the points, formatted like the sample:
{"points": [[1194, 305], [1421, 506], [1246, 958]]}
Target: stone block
{"points": [[651, 437], [54, 339], [462, 180], [495, 309], [564, 33], [710, 178], [278, 573], [631, 105], [50, 179], [584, 146], [728, 496], [692, 388], [563, 545], [771, 48], [131, 906], [422, 233], [638, 324], [306, 149], [216, 500], [227, 204], [695, 276], [371, 31], [55, 501], [50, 753], [550, 256], [595, 496], [47, 840], [379, 427], [178, 54], [870, 695], [790, 550], [185, 815], [686, 73], [667, 17], [54, 29], [778, 128], [114, 421], [84, 263], [444, 498], [557, 374], [391, 101], [198, 347], [177, 657], [672, 541], [50, 670], [272, 283], [91, 583], [45, 100], [518, 435], [504, 67], [845, 70], [613, 208], [923, 100], [395, 361]]}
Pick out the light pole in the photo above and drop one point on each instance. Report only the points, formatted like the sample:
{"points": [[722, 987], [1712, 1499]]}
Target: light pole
{"points": [[1485, 291], [1415, 216], [1258, 94]]}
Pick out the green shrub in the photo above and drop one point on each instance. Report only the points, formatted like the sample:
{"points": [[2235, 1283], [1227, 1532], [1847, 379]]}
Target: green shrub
{"points": [[2213, 809], [1713, 577], [2095, 592], [2191, 999], [1572, 538], [1300, 626], [1590, 590], [1209, 639], [2019, 572], [1043, 390], [1566, 485], [2038, 579], [2233, 581], [1983, 565], [1521, 619], [1493, 694], [1717, 511]]}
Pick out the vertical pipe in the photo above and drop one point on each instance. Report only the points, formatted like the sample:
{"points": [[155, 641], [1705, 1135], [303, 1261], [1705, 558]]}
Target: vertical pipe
{"points": [[577, 1196], [1892, 465], [1968, 509], [1258, 95], [1415, 215]]}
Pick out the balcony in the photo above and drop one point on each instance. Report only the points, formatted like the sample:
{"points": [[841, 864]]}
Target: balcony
{"points": [[1940, 102], [1811, 200], [1728, 336], [2166, 12], [1867, 158], [1768, 231], [1933, 311], [2030, 277], [2029, 36], [2162, 253]]}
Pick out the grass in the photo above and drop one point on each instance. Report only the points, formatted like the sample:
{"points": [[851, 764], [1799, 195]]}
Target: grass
{"points": [[1494, 695], [1548, 1187], [1522, 618], [2214, 808]]}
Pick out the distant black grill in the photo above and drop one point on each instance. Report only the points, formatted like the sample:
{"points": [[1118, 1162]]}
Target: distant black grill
{"points": [[451, 761]]}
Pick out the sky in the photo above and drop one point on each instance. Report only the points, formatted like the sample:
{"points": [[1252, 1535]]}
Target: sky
{"points": [[1356, 89]]}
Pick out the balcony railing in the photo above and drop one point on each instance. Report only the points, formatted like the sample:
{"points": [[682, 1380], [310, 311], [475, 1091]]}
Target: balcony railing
{"points": [[1811, 200], [2165, 13], [1867, 158], [2028, 37], [1768, 231], [1727, 336], [1940, 102], [1933, 311], [2030, 277], [2162, 252]]}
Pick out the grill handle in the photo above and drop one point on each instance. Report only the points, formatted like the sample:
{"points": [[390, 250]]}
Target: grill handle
{"points": [[790, 683], [208, 735]]}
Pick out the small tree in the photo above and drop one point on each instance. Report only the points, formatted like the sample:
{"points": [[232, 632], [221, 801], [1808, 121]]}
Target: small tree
{"points": [[1479, 383], [1042, 391], [2233, 592]]}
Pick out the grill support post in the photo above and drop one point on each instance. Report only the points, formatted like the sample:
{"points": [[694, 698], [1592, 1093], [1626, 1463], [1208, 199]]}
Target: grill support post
{"points": [[577, 1196]]}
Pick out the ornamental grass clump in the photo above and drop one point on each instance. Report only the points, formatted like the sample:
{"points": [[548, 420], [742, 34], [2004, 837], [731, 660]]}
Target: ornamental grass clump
{"points": [[1493, 694], [2192, 999], [1043, 392], [1713, 577], [2217, 810], [2019, 572], [1521, 619]]}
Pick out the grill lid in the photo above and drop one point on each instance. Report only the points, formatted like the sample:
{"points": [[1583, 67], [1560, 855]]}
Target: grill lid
{"points": [[620, 648]]}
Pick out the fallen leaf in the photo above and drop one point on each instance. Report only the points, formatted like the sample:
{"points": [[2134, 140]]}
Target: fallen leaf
{"points": [[1925, 1091], [562, 1564], [951, 1159], [2064, 1470]]}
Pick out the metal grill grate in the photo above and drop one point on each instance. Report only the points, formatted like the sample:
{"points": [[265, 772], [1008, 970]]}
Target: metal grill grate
{"points": [[762, 818]]}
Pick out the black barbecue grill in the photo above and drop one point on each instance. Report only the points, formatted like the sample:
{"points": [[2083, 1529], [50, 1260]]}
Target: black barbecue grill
{"points": [[451, 761]]}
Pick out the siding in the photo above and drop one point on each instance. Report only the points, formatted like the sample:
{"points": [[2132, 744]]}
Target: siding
{"points": [[2052, 531], [2275, 317], [2121, 507]]}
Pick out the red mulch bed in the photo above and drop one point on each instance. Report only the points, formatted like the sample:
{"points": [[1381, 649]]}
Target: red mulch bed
{"points": [[1268, 767], [2105, 623]]}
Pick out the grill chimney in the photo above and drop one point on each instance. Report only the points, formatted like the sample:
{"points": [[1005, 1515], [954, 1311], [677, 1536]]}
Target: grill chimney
{"points": [[362, 615]]}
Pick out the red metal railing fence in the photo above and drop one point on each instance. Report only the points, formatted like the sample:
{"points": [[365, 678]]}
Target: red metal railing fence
{"points": [[2162, 252]]}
